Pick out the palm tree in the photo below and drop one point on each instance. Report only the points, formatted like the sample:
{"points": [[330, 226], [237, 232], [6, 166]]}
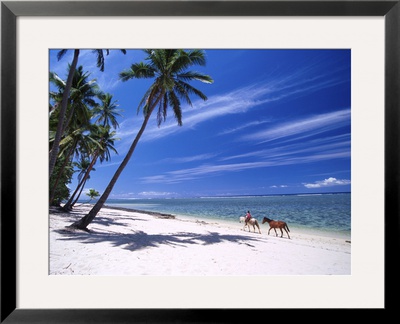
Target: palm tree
{"points": [[107, 112], [77, 143], [64, 103], [168, 68], [82, 187], [74, 138], [82, 168], [93, 194], [100, 57], [103, 144], [82, 98]]}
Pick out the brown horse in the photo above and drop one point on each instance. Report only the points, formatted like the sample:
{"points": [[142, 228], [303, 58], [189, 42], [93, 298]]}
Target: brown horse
{"points": [[277, 224], [253, 222]]}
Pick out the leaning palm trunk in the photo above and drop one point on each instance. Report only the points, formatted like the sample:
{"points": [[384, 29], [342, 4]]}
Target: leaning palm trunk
{"points": [[87, 219], [79, 194], [71, 201], [64, 103]]}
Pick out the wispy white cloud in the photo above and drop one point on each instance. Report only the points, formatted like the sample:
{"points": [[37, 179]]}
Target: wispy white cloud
{"points": [[306, 127], [187, 159], [108, 164], [330, 182], [200, 171], [279, 186], [208, 170], [154, 194], [242, 127], [331, 144]]}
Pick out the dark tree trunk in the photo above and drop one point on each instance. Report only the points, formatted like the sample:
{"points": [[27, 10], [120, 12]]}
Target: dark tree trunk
{"points": [[79, 194], [64, 103], [69, 203], [87, 219]]}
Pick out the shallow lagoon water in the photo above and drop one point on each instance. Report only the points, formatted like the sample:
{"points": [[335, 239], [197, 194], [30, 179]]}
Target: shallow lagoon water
{"points": [[321, 213]]}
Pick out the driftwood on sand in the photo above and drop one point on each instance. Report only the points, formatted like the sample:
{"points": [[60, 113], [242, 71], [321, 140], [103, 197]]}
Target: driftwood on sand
{"points": [[156, 214]]}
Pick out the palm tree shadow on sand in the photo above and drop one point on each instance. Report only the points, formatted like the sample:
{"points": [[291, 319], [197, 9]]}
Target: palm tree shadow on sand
{"points": [[140, 240]]}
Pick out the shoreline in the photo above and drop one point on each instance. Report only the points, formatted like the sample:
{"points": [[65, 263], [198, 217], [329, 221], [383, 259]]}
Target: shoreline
{"points": [[127, 242], [232, 223]]}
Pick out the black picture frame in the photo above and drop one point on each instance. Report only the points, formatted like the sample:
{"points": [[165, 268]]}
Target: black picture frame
{"points": [[10, 10]]}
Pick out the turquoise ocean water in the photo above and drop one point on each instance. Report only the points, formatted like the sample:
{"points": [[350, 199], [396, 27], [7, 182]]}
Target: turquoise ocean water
{"points": [[314, 213]]}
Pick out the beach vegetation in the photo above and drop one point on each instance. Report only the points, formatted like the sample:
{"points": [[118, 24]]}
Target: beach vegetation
{"points": [[63, 105], [93, 194], [106, 114], [60, 180], [99, 149], [168, 68], [87, 135], [83, 166], [75, 129]]}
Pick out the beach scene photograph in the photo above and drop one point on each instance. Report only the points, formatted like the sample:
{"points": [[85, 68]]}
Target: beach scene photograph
{"points": [[200, 162]]}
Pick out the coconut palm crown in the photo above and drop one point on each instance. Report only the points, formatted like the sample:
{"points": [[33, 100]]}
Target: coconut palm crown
{"points": [[168, 67]]}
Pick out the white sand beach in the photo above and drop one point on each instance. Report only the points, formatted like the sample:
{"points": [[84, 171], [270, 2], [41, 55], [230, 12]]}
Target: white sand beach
{"points": [[133, 243]]}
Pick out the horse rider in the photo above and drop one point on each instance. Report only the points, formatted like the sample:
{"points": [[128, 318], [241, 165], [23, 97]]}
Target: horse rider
{"points": [[247, 217]]}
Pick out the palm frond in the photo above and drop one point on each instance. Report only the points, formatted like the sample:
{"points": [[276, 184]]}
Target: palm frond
{"points": [[185, 59], [191, 75], [183, 92], [138, 71], [161, 113], [56, 80], [100, 59], [176, 106], [197, 57], [180, 61], [191, 90], [61, 54]]}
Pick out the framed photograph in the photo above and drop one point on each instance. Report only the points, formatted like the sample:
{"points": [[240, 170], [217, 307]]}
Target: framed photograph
{"points": [[363, 34]]}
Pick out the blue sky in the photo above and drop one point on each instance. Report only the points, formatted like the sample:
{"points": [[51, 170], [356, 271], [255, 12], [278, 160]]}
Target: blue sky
{"points": [[275, 122]]}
